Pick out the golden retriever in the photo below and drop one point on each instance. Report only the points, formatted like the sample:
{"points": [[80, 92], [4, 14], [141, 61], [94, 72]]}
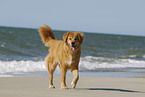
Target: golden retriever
{"points": [[65, 53]]}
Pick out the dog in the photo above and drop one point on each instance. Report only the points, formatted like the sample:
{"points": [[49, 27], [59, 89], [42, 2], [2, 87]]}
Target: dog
{"points": [[64, 53]]}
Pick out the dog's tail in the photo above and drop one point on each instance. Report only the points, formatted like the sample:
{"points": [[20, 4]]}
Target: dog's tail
{"points": [[46, 33]]}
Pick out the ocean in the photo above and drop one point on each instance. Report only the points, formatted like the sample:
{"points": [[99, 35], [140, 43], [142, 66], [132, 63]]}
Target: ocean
{"points": [[103, 55]]}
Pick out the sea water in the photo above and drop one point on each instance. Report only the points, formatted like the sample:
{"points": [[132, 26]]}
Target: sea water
{"points": [[22, 53]]}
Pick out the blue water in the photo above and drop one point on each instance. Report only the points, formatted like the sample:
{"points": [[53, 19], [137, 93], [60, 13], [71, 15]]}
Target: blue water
{"points": [[22, 54]]}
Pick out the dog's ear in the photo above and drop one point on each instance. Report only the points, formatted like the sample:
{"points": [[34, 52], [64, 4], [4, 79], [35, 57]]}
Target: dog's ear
{"points": [[65, 36], [80, 36]]}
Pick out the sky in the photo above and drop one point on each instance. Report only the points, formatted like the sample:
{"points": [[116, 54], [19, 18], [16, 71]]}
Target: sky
{"points": [[98, 16]]}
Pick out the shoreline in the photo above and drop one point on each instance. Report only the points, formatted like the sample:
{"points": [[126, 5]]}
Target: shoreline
{"points": [[81, 74], [87, 86]]}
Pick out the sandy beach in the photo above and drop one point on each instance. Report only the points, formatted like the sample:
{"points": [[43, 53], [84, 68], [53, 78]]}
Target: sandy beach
{"points": [[87, 87]]}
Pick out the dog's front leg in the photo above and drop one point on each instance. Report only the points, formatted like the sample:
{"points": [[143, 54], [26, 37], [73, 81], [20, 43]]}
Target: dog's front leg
{"points": [[63, 78], [75, 79]]}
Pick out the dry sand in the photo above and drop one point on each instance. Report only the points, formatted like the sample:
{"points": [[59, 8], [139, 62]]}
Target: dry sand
{"points": [[87, 87]]}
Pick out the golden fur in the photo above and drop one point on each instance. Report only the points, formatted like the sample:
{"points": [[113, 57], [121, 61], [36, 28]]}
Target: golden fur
{"points": [[65, 53]]}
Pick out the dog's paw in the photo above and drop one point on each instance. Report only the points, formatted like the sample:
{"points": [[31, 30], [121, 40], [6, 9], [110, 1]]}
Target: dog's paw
{"points": [[64, 87], [73, 85], [51, 87]]}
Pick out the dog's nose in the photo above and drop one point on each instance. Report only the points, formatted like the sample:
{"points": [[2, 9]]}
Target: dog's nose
{"points": [[73, 43]]}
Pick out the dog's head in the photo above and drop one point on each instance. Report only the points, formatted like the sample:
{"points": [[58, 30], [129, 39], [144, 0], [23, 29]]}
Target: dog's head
{"points": [[74, 40]]}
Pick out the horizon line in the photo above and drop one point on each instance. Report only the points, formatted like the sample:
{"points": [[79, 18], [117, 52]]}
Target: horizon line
{"points": [[77, 31]]}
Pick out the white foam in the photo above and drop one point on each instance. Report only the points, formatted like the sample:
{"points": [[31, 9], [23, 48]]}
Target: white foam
{"points": [[92, 63], [3, 44], [86, 63], [21, 66]]}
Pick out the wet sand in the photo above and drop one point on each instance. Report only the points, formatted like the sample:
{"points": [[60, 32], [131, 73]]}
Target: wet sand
{"points": [[86, 87]]}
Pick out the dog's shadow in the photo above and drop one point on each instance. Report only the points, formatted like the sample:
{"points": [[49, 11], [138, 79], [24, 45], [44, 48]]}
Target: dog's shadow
{"points": [[110, 89]]}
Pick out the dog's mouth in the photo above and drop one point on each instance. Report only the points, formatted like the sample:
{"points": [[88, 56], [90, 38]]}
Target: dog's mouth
{"points": [[73, 46]]}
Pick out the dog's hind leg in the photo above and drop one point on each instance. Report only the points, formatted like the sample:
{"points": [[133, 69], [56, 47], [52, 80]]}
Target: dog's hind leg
{"points": [[51, 65]]}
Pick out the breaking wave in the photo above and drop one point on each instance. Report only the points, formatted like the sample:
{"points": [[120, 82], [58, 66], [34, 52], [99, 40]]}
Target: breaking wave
{"points": [[88, 63]]}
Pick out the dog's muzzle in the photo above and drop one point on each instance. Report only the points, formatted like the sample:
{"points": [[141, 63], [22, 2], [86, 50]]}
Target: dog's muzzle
{"points": [[73, 45]]}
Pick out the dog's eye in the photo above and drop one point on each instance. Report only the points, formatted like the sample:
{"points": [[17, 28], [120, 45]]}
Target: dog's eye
{"points": [[75, 38], [69, 38]]}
